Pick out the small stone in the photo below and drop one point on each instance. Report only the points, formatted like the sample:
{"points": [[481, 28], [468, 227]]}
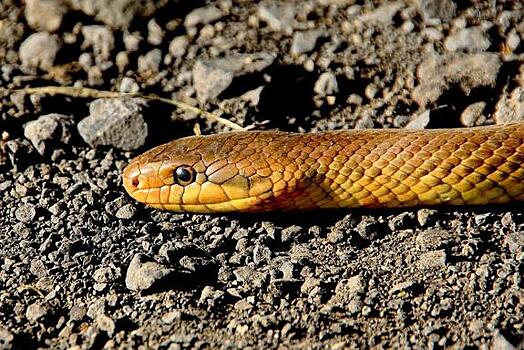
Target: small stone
{"points": [[420, 122], [433, 259], [210, 296], [35, 312], [472, 113], [515, 242], [171, 316], [468, 71], [150, 62], [432, 239], [39, 51], [261, 254], [6, 339], [212, 77], [510, 109], [335, 235], [305, 41], [309, 286], [106, 274], [326, 84], [132, 41], [106, 324], [279, 18], [178, 46], [371, 229], [443, 10], [202, 16], [142, 275], [115, 122], [383, 15], [426, 216], [348, 294], [472, 39], [44, 15], [26, 213], [49, 129], [155, 32], [126, 212], [77, 313], [100, 38]]}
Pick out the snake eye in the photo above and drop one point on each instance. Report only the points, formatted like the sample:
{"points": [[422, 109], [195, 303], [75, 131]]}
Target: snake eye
{"points": [[184, 175]]}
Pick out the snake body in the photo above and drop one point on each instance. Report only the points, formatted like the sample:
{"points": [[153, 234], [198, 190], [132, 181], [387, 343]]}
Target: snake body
{"points": [[268, 170]]}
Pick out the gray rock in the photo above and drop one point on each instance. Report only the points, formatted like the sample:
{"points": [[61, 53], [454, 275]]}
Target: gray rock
{"points": [[443, 10], [126, 212], [77, 313], [39, 51], [106, 324], [106, 274], [419, 122], [150, 62], [202, 16], [468, 71], [432, 239], [515, 242], [371, 229], [433, 259], [36, 312], [48, 129], [261, 254], [116, 13], [142, 275], [510, 109], [305, 41], [326, 84], [472, 39], [100, 38], [115, 122], [155, 33], [426, 216], [6, 338], [349, 293], [212, 77], [210, 296], [472, 113], [44, 15], [310, 286], [178, 46], [26, 213], [279, 18], [383, 15]]}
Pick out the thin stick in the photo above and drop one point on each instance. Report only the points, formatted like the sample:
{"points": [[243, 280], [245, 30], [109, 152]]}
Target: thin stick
{"points": [[84, 92]]}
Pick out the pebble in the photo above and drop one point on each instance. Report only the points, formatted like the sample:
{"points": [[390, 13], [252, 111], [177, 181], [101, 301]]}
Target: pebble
{"points": [[510, 108], [35, 312], [6, 338], [383, 15], [467, 71], [433, 239], [49, 129], [370, 229], [212, 77], [279, 18], [210, 296], [115, 14], [155, 34], [433, 259], [44, 15], [115, 122], [178, 46], [126, 212], [106, 324], [106, 274], [431, 10], [426, 216], [26, 213], [100, 38], [261, 254], [142, 275], [150, 62], [39, 51], [472, 39], [472, 113], [77, 313], [515, 242], [202, 16], [326, 84], [305, 41], [420, 122]]}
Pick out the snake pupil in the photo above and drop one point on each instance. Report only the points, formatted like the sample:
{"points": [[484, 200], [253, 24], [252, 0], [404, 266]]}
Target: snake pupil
{"points": [[184, 175]]}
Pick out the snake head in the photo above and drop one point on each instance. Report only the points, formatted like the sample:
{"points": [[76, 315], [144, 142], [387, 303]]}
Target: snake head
{"points": [[202, 174]]}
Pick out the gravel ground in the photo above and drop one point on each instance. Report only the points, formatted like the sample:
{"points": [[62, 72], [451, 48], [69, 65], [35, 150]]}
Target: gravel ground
{"points": [[84, 266]]}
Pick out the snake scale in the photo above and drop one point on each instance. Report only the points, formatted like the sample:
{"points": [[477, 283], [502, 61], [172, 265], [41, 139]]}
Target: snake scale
{"points": [[260, 171]]}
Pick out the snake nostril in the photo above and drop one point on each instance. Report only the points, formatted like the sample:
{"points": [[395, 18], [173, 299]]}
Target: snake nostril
{"points": [[135, 181]]}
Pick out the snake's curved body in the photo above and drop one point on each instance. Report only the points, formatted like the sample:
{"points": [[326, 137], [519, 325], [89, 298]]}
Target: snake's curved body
{"points": [[263, 171]]}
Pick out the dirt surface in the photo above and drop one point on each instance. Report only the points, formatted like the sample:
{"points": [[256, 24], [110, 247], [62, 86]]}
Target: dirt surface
{"points": [[84, 266]]}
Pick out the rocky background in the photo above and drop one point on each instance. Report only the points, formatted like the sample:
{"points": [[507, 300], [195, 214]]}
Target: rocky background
{"points": [[84, 266]]}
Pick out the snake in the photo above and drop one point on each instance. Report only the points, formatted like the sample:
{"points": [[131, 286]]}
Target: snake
{"points": [[260, 171]]}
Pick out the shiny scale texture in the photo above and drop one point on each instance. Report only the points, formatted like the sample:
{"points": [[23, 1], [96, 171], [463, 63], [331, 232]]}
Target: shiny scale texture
{"points": [[265, 171]]}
